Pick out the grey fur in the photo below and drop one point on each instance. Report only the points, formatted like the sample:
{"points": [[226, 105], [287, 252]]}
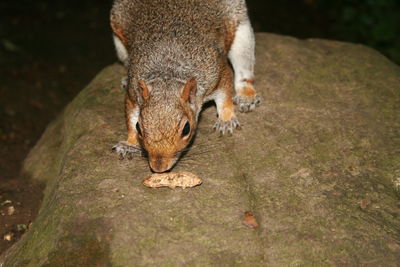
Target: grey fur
{"points": [[177, 39], [167, 42]]}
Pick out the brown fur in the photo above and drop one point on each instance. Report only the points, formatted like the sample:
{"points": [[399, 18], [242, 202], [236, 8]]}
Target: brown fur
{"points": [[225, 84], [118, 32], [230, 34], [248, 91], [132, 135]]}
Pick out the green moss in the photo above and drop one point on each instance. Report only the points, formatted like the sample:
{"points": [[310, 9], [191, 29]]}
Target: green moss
{"points": [[86, 251], [84, 244]]}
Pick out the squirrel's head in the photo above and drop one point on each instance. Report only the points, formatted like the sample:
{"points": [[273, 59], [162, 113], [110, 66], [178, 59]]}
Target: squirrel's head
{"points": [[167, 120]]}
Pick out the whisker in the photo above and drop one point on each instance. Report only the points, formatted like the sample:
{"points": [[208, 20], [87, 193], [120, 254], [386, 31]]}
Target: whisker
{"points": [[197, 153]]}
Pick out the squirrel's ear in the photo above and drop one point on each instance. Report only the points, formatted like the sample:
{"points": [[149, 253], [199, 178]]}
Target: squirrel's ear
{"points": [[118, 31], [189, 91], [144, 90]]}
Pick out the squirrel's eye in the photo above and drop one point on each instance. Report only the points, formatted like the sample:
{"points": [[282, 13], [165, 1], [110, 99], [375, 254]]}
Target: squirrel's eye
{"points": [[186, 129], [138, 128]]}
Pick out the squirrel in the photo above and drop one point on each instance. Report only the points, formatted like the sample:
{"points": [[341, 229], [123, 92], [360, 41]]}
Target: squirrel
{"points": [[177, 55]]}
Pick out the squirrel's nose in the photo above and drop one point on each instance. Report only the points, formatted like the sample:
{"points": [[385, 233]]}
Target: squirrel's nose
{"points": [[161, 164]]}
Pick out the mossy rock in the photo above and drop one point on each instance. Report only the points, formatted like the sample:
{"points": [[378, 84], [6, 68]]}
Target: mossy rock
{"points": [[318, 164]]}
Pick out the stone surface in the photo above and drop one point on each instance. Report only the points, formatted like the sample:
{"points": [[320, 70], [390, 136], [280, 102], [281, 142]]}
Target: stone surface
{"points": [[317, 164]]}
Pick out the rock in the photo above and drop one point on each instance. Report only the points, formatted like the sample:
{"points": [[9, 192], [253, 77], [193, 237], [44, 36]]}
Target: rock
{"points": [[325, 137]]}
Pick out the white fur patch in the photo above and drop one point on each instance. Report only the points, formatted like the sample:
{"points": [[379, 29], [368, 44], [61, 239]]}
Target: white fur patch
{"points": [[134, 117], [241, 54], [122, 53]]}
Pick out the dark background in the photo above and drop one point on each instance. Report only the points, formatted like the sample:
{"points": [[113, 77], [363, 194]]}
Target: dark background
{"points": [[50, 49]]}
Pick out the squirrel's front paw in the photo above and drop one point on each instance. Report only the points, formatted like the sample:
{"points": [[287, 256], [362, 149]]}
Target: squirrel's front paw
{"points": [[123, 149], [226, 127], [246, 97], [247, 103]]}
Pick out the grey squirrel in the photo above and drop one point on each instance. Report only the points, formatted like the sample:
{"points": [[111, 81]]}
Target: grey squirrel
{"points": [[176, 54]]}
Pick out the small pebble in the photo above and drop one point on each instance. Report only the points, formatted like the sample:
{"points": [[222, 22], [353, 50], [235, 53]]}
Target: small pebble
{"points": [[8, 236], [250, 220], [10, 210]]}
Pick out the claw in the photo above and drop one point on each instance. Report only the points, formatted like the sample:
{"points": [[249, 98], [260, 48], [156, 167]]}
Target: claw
{"points": [[226, 127]]}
